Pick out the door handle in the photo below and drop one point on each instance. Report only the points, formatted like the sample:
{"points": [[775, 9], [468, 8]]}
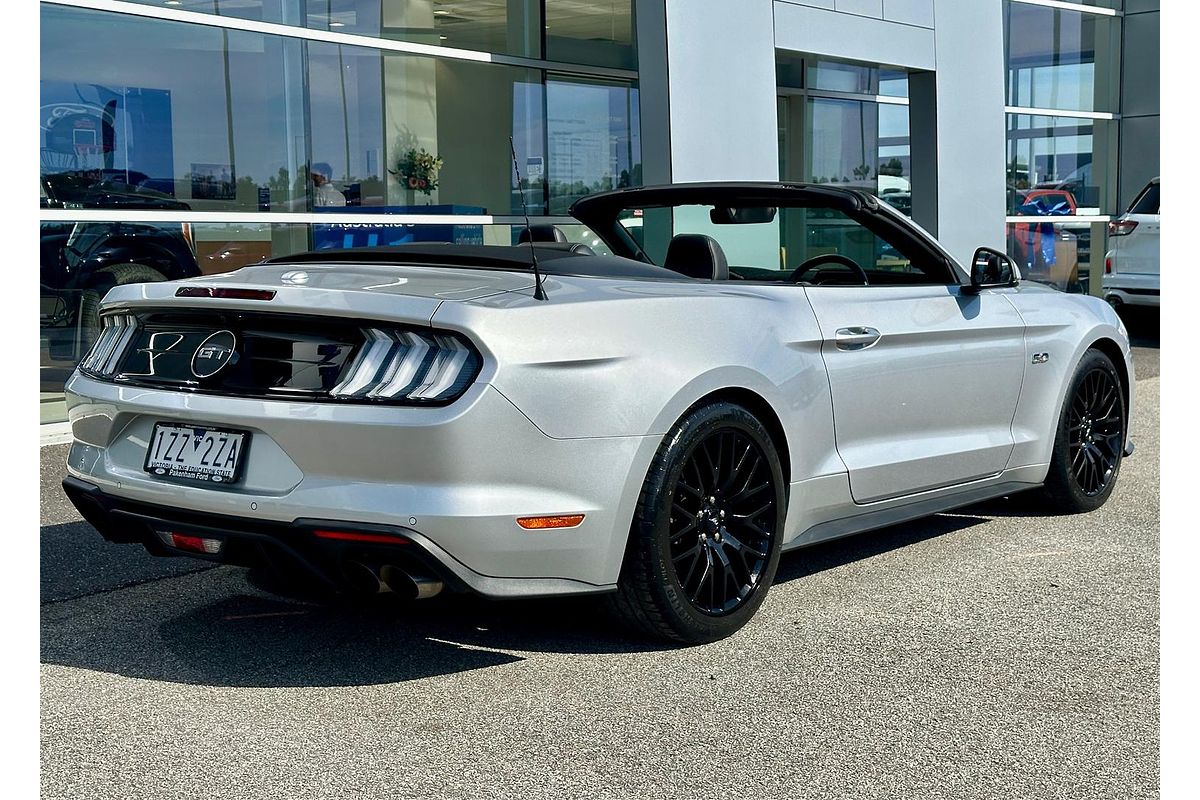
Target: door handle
{"points": [[858, 337]]}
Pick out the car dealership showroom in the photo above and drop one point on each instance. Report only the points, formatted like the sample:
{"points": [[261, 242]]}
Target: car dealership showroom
{"points": [[1000, 648]]}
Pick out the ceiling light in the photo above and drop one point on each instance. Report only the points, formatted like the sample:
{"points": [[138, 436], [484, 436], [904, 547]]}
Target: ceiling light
{"points": [[174, 2], [440, 11], [337, 24], [443, 37]]}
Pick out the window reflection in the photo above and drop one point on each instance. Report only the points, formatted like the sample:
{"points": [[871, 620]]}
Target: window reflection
{"points": [[1052, 167], [152, 114], [132, 117], [593, 139], [1058, 254], [1059, 59], [591, 32], [860, 145], [575, 31]]}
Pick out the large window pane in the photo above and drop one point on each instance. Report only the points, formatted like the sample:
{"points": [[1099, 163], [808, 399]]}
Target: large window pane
{"points": [[575, 31], [596, 32], [151, 114], [1057, 165], [593, 139], [345, 90], [860, 145], [839, 76], [1060, 59]]}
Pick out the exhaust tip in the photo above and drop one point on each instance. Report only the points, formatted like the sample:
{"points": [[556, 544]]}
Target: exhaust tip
{"points": [[364, 579], [412, 585]]}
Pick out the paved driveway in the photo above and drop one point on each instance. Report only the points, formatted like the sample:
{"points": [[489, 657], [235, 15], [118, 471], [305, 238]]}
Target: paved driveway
{"points": [[984, 653]]}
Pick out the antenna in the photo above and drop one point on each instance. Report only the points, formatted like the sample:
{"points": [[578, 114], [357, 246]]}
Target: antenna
{"points": [[538, 292]]}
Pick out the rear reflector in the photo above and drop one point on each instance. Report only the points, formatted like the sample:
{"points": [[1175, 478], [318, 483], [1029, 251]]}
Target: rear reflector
{"points": [[195, 544], [541, 523], [360, 536], [225, 292]]}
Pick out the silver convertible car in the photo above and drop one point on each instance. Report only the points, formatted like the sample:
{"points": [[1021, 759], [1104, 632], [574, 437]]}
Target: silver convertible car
{"points": [[654, 401]]}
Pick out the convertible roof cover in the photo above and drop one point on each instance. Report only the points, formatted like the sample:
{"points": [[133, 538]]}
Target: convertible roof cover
{"points": [[606, 205], [473, 256]]}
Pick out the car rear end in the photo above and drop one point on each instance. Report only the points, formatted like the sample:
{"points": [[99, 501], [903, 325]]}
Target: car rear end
{"points": [[315, 418], [1131, 266]]}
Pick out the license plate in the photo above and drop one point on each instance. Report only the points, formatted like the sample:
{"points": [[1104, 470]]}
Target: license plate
{"points": [[196, 453]]}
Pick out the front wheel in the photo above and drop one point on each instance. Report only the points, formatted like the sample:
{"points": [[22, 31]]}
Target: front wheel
{"points": [[706, 536], [1090, 439]]}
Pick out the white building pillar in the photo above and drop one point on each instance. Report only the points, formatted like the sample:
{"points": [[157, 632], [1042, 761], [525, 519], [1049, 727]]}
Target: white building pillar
{"points": [[720, 59]]}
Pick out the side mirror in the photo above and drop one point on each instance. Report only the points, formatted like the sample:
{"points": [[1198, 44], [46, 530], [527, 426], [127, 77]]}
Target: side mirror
{"points": [[992, 269]]}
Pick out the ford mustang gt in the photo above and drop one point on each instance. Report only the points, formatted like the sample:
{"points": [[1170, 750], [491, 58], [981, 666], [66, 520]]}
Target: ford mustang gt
{"points": [[653, 400]]}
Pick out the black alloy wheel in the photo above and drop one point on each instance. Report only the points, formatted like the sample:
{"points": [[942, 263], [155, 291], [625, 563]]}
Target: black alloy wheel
{"points": [[707, 532], [1096, 431], [1089, 445], [721, 524]]}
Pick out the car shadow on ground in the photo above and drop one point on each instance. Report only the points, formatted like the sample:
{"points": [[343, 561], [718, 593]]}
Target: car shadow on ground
{"points": [[236, 635]]}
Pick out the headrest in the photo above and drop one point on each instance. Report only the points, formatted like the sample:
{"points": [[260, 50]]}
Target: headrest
{"points": [[541, 233], [697, 256]]}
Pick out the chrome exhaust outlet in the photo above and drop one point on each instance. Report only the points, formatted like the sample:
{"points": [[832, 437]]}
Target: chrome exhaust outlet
{"points": [[413, 585], [365, 579]]}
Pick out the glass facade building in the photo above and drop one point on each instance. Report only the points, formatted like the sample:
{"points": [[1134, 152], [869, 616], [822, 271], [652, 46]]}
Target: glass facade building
{"points": [[191, 133], [191, 137]]}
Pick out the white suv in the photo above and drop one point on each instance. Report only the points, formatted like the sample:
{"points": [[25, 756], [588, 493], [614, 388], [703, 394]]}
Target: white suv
{"points": [[1131, 266]]}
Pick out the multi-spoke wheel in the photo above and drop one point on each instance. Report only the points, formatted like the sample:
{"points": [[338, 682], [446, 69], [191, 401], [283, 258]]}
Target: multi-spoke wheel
{"points": [[705, 541], [1091, 437]]}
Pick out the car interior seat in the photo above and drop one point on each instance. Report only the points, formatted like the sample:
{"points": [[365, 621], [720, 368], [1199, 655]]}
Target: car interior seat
{"points": [[541, 233], [697, 256]]}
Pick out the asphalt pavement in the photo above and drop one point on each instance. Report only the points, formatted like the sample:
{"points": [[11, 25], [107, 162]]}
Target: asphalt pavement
{"points": [[987, 653]]}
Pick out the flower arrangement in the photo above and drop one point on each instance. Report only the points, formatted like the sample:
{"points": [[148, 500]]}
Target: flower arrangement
{"points": [[418, 170]]}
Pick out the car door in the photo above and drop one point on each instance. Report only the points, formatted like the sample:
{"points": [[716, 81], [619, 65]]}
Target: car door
{"points": [[924, 377]]}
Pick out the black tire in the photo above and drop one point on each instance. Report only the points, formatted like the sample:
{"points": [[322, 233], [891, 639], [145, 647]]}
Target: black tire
{"points": [[105, 279], [1089, 442], [734, 512]]}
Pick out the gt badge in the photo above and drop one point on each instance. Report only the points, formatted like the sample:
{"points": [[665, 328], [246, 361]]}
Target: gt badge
{"points": [[213, 354]]}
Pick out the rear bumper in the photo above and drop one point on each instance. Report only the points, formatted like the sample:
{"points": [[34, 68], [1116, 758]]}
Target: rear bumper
{"points": [[454, 479], [246, 542], [252, 543], [1132, 288]]}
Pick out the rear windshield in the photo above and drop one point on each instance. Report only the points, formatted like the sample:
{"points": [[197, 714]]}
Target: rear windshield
{"points": [[1147, 202]]}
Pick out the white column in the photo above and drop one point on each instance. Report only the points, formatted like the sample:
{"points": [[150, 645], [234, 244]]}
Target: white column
{"points": [[969, 43], [721, 77]]}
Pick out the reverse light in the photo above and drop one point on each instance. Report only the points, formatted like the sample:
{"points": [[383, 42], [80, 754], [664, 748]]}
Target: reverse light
{"points": [[1121, 227], [412, 366], [544, 523], [194, 544], [115, 332]]}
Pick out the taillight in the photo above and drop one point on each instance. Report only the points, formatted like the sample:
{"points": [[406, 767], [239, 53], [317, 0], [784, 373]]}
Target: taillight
{"points": [[115, 332], [405, 365], [1121, 227], [1108, 266]]}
